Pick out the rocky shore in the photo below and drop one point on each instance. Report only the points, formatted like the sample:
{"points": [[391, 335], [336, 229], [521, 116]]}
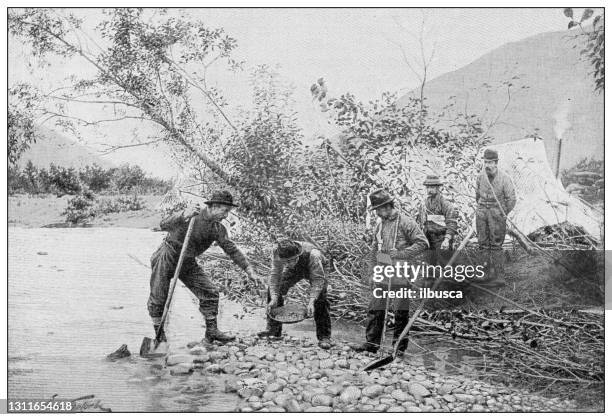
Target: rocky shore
{"points": [[294, 375]]}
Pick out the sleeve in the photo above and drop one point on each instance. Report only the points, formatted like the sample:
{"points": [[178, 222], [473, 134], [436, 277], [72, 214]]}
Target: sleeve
{"points": [[230, 248], [510, 195], [415, 236], [477, 188], [450, 218], [275, 276], [172, 221], [317, 274]]}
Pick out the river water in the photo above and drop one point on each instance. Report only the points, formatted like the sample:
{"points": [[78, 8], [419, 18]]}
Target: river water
{"points": [[76, 295]]}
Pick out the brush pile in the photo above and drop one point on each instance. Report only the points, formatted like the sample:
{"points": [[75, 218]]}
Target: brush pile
{"points": [[545, 347]]}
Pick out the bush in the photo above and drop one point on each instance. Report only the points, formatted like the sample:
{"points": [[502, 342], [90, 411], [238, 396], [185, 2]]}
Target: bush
{"points": [[64, 180], [95, 177], [80, 208], [61, 180], [119, 204]]}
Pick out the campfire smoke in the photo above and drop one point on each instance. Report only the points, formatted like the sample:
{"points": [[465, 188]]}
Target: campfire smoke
{"points": [[562, 124]]}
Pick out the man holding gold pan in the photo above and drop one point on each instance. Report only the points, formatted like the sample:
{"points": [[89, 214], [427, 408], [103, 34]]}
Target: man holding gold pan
{"points": [[397, 238]]}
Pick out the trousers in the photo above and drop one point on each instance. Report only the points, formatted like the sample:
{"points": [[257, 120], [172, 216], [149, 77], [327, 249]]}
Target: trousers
{"points": [[163, 265], [321, 310]]}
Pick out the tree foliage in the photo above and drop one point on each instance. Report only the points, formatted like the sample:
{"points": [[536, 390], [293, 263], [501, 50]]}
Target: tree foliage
{"points": [[20, 121], [594, 42]]}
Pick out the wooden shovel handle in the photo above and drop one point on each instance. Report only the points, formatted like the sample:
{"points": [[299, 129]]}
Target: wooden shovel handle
{"points": [[175, 278], [420, 308]]}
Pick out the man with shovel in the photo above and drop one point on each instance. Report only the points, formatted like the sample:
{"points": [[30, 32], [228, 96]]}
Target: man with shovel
{"points": [[493, 189], [207, 228], [293, 261], [397, 238]]}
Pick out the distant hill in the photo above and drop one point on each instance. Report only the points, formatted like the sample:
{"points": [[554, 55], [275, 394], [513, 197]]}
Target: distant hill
{"points": [[559, 86], [54, 147]]}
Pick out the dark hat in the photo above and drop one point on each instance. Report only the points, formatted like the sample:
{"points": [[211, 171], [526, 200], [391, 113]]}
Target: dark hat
{"points": [[222, 197], [432, 180], [288, 249], [379, 198], [490, 154]]}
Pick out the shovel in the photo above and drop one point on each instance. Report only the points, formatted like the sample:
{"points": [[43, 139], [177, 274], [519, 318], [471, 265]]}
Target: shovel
{"points": [[386, 360], [149, 346]]}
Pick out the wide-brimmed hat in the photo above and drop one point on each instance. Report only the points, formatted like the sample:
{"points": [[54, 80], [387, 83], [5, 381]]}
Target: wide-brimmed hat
{"points": [[288, 249], [222, 197], [490, 154], [379, 198], [432, 180]]}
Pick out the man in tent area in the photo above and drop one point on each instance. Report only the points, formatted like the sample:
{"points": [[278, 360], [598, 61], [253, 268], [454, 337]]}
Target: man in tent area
{"points": [[397, 238], [438, 217], [293, 261], [495, 198], [207, 229]]}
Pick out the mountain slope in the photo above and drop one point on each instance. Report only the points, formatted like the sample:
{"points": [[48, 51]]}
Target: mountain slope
{"points": [[560, 97], [53, 147]]}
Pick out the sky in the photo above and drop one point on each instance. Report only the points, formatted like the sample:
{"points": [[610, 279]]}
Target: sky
{"points": [[354, 50]]}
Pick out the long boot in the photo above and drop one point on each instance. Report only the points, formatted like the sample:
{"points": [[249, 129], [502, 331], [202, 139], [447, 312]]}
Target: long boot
{"points": [[213, 333], [497, 262], [273, 330]]}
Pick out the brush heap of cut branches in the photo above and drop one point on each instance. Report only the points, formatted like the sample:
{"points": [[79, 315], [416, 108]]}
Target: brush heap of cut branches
{"points": [[545, 347]]}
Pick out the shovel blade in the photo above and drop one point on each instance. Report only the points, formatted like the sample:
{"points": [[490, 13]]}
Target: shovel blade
{"points": [[379, 363], [150, 348]]}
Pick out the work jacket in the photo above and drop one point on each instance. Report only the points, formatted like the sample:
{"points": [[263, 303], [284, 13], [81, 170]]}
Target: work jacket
{"points": [[309, 266], [438, 216], [502, 189], [400, 236], [205, 232]]}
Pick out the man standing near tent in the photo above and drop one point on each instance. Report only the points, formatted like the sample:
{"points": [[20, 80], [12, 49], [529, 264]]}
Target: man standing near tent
{"points": [[293, 261], [493, 189], [207, 229], [438, 217], [397, 238]]}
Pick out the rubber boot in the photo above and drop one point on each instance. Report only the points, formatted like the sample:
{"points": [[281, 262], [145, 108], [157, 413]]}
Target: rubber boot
{"points": [[273, 330], [213, 333], [325, 343]]}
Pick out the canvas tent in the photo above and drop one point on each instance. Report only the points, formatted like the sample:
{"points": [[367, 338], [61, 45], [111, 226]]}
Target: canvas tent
{"points": [[541, 198]]}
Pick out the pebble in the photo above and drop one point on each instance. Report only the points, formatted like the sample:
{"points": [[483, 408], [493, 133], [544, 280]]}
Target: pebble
{"points": [[175, 359], [466, 398], [399, 395], [318, 409], [418, 390], [350, 394], [181, 369]]}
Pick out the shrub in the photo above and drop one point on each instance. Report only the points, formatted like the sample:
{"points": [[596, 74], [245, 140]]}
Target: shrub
{"points": [[80, 208], [95, 177], [64, 180], [119, 204]]}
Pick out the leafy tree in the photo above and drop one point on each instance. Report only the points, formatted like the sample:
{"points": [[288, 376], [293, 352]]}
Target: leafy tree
{"points": [[64, 180], [594, 42], [146, 69], [95, 177], [20, 121]]}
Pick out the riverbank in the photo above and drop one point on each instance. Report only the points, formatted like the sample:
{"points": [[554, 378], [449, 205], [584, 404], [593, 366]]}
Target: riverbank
{"points": [[34, 211], [76, 295]]}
